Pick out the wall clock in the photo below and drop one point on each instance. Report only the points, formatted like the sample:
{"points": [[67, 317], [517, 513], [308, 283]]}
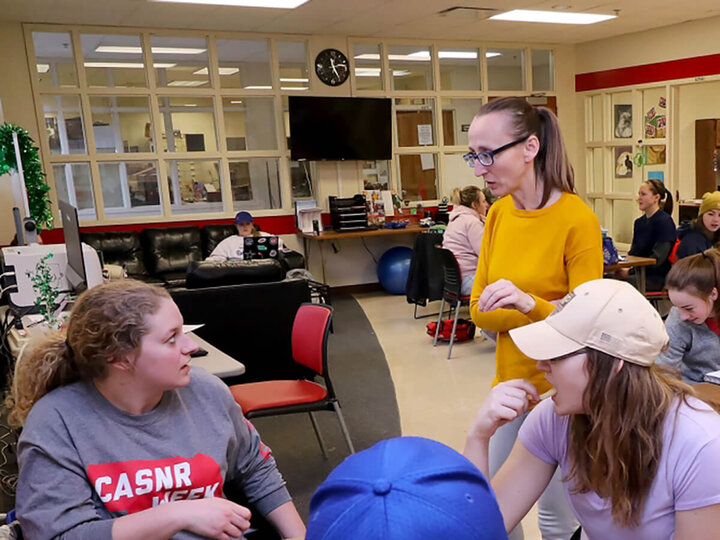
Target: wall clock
{"points": [[332, 67]]}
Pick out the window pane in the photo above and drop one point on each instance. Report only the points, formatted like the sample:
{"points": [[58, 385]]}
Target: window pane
{"points": [[194, 186], [249, 123], [376, 174], [301, 180], [54, 57], [244, 63], [459, 69], [130, 188], [506, 69], [594, 118], [457, 115], [180, 61], [112, 60], [598, 206], [624, 214], [121, 124], [418, 176], [415, 121], [64, 124], [255, 183], [188, 124], [595, 170], [411, 67], [292, 56], [368, 68], [542, 70], [456, 174], [73, 185]]}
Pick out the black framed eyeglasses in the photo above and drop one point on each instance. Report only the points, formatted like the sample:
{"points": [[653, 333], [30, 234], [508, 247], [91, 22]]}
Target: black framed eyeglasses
{"points": [[488, 158]]}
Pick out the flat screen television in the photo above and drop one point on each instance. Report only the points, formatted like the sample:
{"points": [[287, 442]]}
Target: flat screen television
{"points": [[331, 128], [75, 271]]}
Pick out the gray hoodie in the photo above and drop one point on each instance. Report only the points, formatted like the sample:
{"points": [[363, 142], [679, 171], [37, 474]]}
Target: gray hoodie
{"points": [[694, 348]]}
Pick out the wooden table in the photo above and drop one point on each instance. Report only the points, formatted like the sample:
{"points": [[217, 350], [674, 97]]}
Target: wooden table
{"points": [[631, 261], [335, 235]]}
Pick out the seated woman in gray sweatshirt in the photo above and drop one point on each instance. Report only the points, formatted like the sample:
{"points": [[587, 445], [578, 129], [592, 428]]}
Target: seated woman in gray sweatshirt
{"points": [[693, 284], [122, 439]]}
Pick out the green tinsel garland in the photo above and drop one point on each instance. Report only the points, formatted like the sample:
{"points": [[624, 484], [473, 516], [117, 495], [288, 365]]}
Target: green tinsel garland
{"points": [[37, 189]]}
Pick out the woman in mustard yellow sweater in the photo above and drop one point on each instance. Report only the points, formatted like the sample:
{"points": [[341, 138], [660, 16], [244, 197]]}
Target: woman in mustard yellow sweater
{"points": [[540, 242]]}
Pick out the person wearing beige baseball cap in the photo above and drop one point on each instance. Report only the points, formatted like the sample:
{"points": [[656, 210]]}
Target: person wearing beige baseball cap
{"points": [[638, 452], [704, 232]]}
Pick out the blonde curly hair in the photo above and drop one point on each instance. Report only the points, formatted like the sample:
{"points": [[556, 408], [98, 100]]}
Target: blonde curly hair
{"points": [[106, 324]]}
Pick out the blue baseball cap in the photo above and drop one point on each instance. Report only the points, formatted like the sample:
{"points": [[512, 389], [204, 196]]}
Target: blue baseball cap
{"points": [[243, 217], [407, 487]]}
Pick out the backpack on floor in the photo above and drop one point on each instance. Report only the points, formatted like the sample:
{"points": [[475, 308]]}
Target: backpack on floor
{"points": [[464, 330]]}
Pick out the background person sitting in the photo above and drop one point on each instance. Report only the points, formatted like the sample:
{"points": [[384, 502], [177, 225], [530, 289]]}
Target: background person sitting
{"points": [[123, 439], [654, 233], [693, 284], [405, 488], [231, 248], [463, 235], [637, 451], [703, 233]]}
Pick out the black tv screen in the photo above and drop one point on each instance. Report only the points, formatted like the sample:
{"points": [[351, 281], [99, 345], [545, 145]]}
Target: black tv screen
{"points": [[330, 128]]}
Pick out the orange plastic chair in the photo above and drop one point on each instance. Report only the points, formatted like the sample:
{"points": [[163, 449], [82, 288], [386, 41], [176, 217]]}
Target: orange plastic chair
{"points": [[309, 347]]}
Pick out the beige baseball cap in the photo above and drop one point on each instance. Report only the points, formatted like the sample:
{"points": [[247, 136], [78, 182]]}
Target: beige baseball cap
{"points": [[604, 314]]}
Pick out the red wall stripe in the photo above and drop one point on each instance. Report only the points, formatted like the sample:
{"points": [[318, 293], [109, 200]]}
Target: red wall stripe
{"points": [[684, 68]]}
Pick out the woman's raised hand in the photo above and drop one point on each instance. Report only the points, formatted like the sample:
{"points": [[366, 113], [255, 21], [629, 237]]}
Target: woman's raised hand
{"points": [[505, 403], [505, 294]]}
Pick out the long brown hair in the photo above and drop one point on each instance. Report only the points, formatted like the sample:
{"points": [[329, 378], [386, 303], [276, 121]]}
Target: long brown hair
{"points": [[658, 188], [615, 448], [106, 324], [698, 275], [551, 165]]}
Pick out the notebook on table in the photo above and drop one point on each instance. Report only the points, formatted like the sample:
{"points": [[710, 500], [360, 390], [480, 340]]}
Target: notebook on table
{"points": [[261, 247]]}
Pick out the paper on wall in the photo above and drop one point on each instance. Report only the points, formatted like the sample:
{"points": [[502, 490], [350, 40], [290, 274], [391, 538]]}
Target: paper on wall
{"points": [[427, 162], [425, 134]]}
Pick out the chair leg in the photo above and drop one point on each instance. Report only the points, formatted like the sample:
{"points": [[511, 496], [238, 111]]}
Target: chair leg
{"points": [[439, 321], [317, 434], [343, 427], [452, 334]]}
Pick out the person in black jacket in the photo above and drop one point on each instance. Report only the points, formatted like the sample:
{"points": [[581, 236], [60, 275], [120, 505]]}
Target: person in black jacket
{"points": [[654, 232], [705, 230]]}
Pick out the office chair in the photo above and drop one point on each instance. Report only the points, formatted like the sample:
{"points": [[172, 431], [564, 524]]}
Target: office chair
{"points": [[309, 348], [452, 283]]}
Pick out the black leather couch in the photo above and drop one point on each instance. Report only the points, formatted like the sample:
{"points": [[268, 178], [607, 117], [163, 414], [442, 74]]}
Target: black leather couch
{"points": [[162, 255]]}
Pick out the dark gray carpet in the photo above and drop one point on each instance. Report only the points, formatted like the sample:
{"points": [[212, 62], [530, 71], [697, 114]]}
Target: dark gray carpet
{"points": [[363, 385]]}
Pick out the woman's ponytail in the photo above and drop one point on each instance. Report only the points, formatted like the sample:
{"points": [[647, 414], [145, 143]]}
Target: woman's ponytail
{"points": [[48, 365], [658, 188]]}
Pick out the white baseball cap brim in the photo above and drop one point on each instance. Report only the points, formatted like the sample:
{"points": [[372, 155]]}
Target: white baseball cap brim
{"points": [[540, 341]]}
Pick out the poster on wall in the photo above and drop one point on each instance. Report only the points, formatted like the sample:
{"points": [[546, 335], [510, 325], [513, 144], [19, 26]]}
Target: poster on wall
{"points": [[623, 121], [623, 162], [656, 121], [656, 154]]}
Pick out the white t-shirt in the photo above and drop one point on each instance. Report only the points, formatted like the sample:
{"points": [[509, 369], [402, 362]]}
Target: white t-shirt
{"points": [[231, 248], [688, 475]]}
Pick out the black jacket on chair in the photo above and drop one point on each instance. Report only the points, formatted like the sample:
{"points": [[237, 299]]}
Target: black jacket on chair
{"points": [[425, 278]]}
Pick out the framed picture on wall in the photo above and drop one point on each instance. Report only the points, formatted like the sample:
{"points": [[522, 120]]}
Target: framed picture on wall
{"points": [[623, 162], [623, 121]]}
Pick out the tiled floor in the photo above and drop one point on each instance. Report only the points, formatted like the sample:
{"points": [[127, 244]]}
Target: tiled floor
{"points": [[437, 397]]}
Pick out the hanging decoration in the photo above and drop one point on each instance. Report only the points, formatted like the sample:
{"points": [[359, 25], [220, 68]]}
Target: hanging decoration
{"points": [[37, 188]]}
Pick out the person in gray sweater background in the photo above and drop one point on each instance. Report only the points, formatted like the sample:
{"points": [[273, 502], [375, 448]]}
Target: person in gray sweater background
{"points": [[693, 284], [122, 439]]}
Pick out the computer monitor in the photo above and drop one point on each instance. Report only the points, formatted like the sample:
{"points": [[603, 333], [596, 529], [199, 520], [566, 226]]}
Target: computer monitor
{"points": [[75, 271]]}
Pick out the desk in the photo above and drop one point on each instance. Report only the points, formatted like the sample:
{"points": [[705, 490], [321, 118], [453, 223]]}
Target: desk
{"points": [[216, 362], [632, 261], [334, 235]]}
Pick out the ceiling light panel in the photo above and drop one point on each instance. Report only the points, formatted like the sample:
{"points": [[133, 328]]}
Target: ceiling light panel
{"points": [[156, 50], [279, 4], [551, 17]]}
